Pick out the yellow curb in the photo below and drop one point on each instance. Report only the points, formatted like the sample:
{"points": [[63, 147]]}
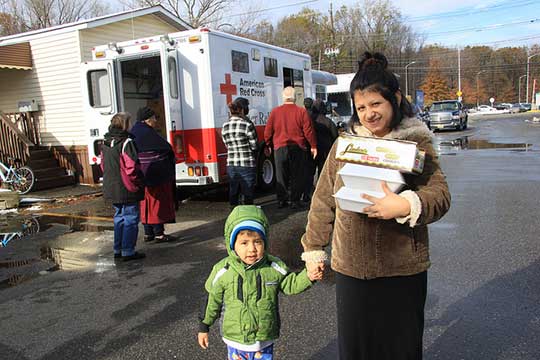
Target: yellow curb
{"points": [[98, 218]]}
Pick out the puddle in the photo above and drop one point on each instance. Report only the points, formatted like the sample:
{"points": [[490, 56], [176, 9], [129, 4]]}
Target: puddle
{"points": [[449, 147], [69, 243]]}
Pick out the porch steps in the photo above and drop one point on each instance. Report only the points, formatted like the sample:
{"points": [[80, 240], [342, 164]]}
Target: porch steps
{"points": [[47, 171]]}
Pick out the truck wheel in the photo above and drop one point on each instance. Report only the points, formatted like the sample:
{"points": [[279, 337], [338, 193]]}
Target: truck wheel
{"points": [[266, 172]]}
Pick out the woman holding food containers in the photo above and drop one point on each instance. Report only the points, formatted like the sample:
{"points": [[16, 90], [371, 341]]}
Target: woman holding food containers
{"points": [[380, 255]]}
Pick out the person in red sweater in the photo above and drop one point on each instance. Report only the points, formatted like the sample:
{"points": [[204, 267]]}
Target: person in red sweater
{"points": [[290, 133]]}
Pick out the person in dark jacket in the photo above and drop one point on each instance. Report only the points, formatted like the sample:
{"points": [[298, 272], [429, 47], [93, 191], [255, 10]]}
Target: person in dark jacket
{"points": [[325, 130], [158, 165], [126, 203], [326, 133]]}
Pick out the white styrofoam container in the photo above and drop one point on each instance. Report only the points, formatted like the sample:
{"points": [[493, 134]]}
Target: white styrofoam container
{"points": [[369, 178], [352, 200]]}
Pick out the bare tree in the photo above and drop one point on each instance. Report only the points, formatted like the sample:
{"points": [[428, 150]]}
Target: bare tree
{"points": [[19, 16], [195, 12]]}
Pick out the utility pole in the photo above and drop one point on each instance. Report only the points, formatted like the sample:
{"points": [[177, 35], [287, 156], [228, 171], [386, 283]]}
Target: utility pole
{"points": [[333, 38], [459, 72]]}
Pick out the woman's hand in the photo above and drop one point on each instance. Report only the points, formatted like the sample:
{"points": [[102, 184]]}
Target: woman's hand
{"points": [[203, 340], [389, 207]]}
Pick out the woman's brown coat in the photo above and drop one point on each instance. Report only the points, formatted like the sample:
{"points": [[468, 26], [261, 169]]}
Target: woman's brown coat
{"points": [[367, 248]]}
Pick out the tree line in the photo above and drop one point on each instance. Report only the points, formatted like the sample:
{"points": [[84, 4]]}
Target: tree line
{"points": [[335, 40]]}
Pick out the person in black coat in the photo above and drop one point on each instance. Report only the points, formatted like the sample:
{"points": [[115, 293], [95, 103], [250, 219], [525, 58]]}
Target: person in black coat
{"points": [[326, 133], [158, 164], [126, 203]]}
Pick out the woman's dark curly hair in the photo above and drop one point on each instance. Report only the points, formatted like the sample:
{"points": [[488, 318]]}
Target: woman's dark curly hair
{"points": [[373, 76]]}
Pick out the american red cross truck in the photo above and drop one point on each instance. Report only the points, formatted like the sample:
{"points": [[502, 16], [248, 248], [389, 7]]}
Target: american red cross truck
{"points": [[188, 78]]}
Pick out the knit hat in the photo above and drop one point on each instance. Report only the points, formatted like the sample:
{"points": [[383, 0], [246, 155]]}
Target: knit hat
{"points": [[245, 217], [247, 225], [145, 113]]}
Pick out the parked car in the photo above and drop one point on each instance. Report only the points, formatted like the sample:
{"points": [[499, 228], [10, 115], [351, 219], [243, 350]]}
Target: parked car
{"points": [[511, 108], [423, 116], [525, 106], [485, 108], [448, 114]]}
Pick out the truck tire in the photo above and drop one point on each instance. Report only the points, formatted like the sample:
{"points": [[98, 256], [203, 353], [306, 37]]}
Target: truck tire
{"points": [[266, 171]]}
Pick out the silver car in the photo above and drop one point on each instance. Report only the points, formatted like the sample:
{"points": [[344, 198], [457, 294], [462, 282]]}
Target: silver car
{"points": [[448, 114]]}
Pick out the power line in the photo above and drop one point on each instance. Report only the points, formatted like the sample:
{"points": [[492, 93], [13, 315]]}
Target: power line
{"points": [[274, 8]]}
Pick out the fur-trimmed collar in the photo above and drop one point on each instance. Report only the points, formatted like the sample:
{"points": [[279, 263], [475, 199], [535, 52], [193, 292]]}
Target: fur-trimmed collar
{"points": [[409, 129]]}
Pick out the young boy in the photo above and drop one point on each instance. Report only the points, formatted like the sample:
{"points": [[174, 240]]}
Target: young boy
{"points": [[246, 285]]}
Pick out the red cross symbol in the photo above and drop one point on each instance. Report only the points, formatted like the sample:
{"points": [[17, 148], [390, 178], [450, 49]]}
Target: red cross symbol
{"points": [[228, 88]]}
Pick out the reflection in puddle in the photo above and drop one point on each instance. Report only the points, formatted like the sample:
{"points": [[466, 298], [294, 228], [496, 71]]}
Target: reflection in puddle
{"points": [[446, 147], [24, 256]]}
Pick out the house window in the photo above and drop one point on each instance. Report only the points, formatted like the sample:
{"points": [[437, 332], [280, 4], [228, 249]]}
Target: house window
{"points": [[99, 89], [173, 78], [270, 67], [240, 62]]}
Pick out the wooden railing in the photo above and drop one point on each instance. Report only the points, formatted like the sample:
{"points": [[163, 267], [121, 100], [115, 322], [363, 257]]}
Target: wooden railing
{"points": [[14, 142]]}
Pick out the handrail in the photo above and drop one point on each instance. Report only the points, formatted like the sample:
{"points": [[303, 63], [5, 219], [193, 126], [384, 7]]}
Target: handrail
{"points": [[13, 143]]}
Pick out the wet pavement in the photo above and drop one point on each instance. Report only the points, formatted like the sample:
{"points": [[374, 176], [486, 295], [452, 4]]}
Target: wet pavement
{"points": [[63, 296]]}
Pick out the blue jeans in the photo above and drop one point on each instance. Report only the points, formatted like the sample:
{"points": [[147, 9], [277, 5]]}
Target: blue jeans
{"points": [[241, 181], [126, 228]]}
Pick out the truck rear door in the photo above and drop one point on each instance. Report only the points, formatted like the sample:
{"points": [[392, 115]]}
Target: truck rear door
{"points": [[172, 102], [100, 101]]}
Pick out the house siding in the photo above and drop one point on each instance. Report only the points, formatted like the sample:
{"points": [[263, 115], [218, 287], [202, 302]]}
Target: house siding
{"points": [[54, 80], [54, 83]]}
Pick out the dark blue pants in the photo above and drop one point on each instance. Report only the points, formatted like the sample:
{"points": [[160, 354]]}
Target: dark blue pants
{"points": [[241, 182], [153, 229]]}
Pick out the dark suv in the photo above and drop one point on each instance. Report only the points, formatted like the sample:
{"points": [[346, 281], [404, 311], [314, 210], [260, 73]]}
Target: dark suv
{"points": [[448, 114]]}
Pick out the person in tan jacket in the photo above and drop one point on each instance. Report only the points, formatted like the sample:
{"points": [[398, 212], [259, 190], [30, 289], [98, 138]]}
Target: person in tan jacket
{"points": [[380, 257]]}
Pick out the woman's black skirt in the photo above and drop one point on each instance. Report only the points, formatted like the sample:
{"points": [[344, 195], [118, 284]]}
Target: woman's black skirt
{"points": [[381, 319]]}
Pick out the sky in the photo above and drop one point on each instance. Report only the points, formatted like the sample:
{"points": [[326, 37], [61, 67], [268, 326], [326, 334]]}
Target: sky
{"points": [[496, 23]]}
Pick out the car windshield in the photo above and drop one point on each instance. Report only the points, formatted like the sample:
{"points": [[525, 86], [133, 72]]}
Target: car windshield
{"points": [[449, 106]]}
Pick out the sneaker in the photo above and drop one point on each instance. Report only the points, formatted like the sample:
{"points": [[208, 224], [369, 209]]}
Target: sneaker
{"points": [[135, 256], [163, 238], [148, 238], [118, 256]]}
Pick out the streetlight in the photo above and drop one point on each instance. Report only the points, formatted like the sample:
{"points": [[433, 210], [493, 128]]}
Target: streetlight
{"points": [[528, 60], [407, 79], [519, 87], [477, 89]]}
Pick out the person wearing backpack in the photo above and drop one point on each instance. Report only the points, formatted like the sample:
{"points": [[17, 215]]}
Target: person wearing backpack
{"points": [[122, 185]]}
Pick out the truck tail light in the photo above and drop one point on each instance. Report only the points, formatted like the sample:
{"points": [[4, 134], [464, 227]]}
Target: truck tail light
{"points": [[205, 171], [198, 171], [190, 171]]}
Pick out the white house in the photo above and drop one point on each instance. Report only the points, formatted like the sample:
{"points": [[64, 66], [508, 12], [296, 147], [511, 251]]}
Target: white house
{"points": [[40, 73]]}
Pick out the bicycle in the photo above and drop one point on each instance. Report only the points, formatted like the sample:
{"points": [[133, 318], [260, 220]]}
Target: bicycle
{"points": [[20, 179], [29, 227]]}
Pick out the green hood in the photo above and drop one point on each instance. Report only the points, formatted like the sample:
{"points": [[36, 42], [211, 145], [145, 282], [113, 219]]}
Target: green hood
{"points": [[242, 213]]}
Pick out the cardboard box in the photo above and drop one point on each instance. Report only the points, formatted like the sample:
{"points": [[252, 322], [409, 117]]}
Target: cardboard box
{"points": [[351, 199], [369, 178], [385, 153]]}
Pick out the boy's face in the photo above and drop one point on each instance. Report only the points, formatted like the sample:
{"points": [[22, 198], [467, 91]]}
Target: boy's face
{"points": [[249, 246]]}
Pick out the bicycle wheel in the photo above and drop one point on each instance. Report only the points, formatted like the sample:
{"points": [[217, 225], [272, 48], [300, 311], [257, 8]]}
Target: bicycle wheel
{"points": [[24, 179]]}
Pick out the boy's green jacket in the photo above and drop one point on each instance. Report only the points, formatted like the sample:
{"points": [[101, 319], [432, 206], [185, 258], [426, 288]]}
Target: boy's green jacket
{"points": [[248, 295]]}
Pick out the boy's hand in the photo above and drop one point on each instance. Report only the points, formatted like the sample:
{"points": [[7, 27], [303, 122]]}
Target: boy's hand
{"points": [[315, 274], [203, 340]]}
